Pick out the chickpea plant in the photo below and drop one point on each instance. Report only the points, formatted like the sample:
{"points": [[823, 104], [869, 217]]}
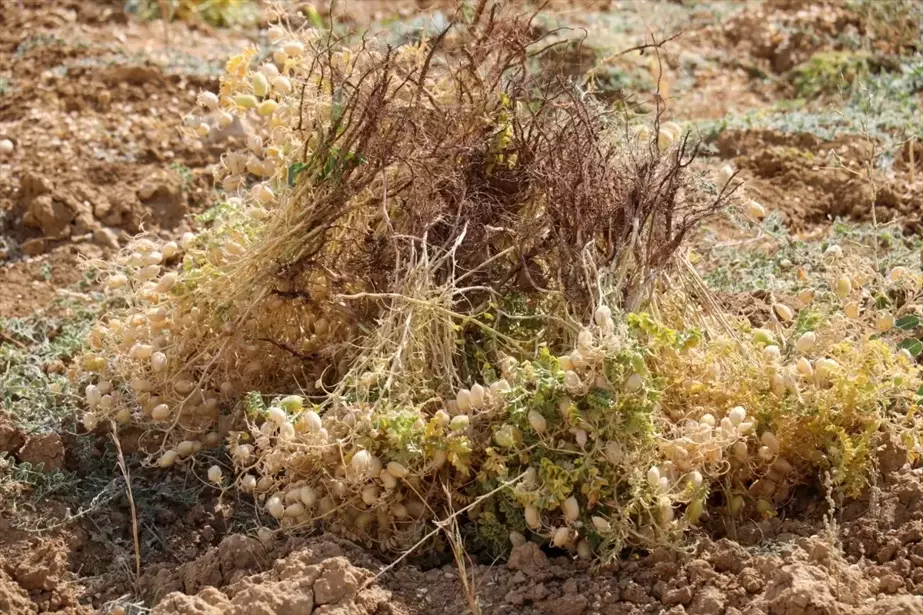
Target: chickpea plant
{"points": [[344, 267]]}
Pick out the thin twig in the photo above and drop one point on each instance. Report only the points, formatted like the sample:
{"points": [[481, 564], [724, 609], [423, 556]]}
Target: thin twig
{"points": [[440, 525], [7, 338], [165, 18]]}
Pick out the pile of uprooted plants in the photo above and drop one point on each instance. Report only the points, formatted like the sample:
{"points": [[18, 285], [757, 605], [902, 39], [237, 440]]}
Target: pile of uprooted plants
{"points": [[446, 297]]}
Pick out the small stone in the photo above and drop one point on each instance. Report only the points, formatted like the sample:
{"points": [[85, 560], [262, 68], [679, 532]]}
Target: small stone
{"points": [[336, 583], [890, 583], [750, 580], [536, 592], [33, 247], [728, 557], [528, 558], [708, 600], [678, 595], [106, 238], [634, 593], [515, 598], [53, 216], [887, 552]]}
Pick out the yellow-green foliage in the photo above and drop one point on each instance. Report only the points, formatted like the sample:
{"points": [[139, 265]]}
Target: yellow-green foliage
{"points": [[821, 423], [580, 430], [829, 72], [220, 13]]}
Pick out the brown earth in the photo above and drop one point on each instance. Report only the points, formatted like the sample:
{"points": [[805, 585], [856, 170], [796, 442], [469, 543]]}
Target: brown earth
{"points": [[92, 103], [873, 567], [810, 181]]}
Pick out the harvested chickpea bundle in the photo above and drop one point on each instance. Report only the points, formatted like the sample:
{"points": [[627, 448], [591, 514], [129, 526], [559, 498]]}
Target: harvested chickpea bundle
{"points": [[617, 442], [350, 264], [329, 194]]}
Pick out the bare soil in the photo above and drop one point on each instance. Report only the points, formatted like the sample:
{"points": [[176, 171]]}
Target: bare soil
{"points": [[871, 565], [92, 104]]}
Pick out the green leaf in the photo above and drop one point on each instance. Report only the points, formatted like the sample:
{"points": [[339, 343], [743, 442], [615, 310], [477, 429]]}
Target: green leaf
{"points": [[908, 322], [807, 321], [911, 345], [211, 214], [253, 404], [314, 17], [294, 170]]}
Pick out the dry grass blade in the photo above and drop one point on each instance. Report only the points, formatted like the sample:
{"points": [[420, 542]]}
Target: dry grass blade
{"points": [[135, 535], [441, 525]]}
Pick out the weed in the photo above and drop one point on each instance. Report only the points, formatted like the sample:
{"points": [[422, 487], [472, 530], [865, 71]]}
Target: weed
{"points": [[37, 41], [221, 13], [184, 172], [742, 267], [34, 389], [39, 482], [830, 72]]}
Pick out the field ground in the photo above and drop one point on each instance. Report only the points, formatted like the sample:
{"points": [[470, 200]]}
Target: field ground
{"points": [[818, 104]]}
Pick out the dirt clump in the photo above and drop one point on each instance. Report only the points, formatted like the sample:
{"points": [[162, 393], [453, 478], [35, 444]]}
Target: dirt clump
{"points": [[164, 198], [11, 438], [38, 580], [33, 283], [780, 35], [234, 556], [529, 559], [43, 450], [810, 181], [306, 581], [93, 103], [14, 600], [792, 567], [800, 588], [80, 211], [895, 605]]}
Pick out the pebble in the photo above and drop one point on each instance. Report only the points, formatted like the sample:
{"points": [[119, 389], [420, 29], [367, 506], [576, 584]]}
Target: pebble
{"points": [[106, 238]]}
